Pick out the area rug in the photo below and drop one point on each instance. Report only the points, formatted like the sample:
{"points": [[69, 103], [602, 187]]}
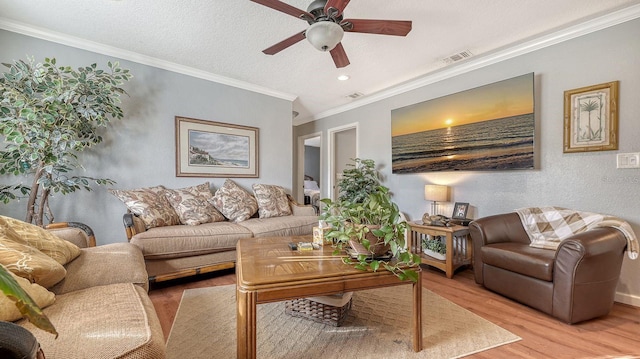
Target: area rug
{"points": [[378, 326]]}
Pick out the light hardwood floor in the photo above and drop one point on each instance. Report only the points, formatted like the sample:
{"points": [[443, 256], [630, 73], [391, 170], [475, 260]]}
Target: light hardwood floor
{"points": [[614, 336]]}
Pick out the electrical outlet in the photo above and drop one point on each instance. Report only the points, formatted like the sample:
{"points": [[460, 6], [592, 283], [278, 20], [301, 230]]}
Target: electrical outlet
{"points": [[628, 160]]}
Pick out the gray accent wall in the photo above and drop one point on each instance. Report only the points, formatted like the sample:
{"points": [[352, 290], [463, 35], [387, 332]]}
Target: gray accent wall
{"points": [[586, 181], [139, 150]]}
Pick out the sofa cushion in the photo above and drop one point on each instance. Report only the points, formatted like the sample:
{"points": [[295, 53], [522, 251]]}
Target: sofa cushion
{"points": [[234, 202], [150, 204], [520, 258], [43, 298], [281, 226], [110, 321], [192, 204], [28, 262], [102, 265], [272, 201], [181, 241], [46, 242]]}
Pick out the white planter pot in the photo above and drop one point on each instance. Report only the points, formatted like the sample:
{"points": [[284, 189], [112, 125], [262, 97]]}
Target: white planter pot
{"points": [[433, 254]]}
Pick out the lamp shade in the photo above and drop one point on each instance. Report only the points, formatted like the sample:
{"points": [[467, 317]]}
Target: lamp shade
{"points": [[324, 35], [436, 193]]}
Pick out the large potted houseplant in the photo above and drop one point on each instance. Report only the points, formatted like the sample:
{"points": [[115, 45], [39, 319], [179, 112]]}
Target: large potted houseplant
{"points": [[48, 115], [369, 225]]}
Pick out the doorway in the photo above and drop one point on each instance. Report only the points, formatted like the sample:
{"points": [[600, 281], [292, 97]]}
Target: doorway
{"points": [[309, 176], [343, 146]]}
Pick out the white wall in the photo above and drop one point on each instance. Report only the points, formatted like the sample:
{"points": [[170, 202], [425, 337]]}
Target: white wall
{"points": [[139, 150], [585, 181]]}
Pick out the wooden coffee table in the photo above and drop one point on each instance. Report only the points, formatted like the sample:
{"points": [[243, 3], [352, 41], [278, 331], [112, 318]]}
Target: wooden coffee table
{"points": [[268, 271]]}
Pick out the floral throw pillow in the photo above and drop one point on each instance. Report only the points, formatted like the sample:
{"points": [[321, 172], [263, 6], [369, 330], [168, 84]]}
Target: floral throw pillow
{"points": [[192, 204], [234, 202], [150, 204], [272, 201]]}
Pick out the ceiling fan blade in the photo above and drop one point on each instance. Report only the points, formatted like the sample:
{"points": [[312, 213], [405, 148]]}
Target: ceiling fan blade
{"points": [[285, 8], [339, 56], [382, 27], [339, 5], [284, 44]]}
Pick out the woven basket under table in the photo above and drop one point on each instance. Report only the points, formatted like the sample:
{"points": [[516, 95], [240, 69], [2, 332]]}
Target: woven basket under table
{"points": [[318, 312]]}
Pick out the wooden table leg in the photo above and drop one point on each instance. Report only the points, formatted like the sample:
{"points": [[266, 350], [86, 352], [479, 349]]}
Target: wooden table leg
{"points": [[449, 255], [246, 324], [417, 314]]}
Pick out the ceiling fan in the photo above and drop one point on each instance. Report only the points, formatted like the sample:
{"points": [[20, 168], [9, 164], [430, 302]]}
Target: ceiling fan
{"points": [[328, 27]]}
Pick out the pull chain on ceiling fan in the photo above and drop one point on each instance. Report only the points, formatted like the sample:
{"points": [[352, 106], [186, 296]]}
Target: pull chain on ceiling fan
{"points": [[327, 27]]}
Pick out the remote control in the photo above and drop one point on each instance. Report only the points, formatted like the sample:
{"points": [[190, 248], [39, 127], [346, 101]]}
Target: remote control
{"points": [[292, 246]]}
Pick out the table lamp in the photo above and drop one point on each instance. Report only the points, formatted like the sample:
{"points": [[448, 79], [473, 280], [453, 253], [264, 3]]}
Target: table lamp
{"points": [[436, 193]]}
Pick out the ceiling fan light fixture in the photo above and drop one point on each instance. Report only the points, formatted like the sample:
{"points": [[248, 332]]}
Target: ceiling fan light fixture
{"points": [[324, 35]]}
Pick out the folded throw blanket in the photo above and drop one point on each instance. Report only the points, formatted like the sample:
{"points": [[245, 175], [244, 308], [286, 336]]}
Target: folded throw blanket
{"points": [[548, 226]]}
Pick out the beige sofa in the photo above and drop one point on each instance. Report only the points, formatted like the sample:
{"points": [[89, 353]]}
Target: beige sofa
{"points": [[183, 250], [101, 307]]}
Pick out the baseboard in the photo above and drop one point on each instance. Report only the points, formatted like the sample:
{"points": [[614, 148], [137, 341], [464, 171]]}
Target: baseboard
{"points": [[627, 299]]}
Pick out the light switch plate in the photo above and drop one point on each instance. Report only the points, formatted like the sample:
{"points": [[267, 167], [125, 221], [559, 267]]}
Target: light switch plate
{"points": [[628, 160]]}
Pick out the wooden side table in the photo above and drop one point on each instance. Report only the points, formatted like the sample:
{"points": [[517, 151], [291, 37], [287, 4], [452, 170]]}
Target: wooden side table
{"points": [[458, 242]]}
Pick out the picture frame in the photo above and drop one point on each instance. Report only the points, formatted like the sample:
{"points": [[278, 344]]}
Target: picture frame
{"points": [[487, 128], [591, 118], [215, 149], [460, 210]]}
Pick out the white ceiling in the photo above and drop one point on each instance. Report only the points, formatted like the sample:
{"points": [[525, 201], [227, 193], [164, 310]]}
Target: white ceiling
{"points": [[222, 40]]}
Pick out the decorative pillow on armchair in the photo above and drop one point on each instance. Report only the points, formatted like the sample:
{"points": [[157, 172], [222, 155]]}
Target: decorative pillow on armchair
{"points": [[28, 262], [39, 238], [43, 298], [234, 202], [192, 204], [272, 201], [150, 204]]}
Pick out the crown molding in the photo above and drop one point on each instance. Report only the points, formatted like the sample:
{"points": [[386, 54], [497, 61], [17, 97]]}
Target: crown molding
{"points": [[92, 46], [587, 27]]}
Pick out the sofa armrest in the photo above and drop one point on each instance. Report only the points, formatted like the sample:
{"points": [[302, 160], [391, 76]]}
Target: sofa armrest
{"points": [[586, 272], [498, 228], [75, 232], [132, 225], [578, 255], [298, 209]]}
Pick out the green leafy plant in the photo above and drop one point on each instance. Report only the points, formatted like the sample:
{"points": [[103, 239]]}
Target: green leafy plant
{"points": [[373, 222], [48, 115], [359, 179], [434, 244], [27, 307]]}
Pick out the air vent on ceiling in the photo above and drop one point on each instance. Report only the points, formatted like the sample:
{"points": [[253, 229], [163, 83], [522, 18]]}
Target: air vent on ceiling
{"points": [[458, 57], [354, 95]]}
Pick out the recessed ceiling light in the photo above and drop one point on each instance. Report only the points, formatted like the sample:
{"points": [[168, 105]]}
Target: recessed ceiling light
{"points": [[343, 77]]}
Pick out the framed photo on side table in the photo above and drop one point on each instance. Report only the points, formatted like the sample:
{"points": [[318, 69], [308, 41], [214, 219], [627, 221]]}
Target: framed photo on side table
{"points": [[460, 210], [215, 149], [591, 118]]}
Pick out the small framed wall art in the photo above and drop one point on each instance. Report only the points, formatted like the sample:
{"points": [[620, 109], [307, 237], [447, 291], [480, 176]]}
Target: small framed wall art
{"points": [[215, 149], [460, 210], [591, 118]]}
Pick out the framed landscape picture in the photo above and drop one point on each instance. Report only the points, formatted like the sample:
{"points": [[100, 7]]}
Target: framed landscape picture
{"points": [[215, 149], [485, 128]]}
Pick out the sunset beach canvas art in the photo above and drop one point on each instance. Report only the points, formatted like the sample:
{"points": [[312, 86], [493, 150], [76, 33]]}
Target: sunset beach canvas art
{"points": [[485, 128]]}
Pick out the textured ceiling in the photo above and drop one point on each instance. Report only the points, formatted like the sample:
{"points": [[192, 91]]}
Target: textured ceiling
{"points": [[224, 39]]}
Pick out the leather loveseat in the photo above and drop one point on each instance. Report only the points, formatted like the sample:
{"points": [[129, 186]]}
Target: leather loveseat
{"points": [[576, 282]]}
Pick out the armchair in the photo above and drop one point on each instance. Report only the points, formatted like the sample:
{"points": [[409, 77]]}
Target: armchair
{"points": [[576, 282]]}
